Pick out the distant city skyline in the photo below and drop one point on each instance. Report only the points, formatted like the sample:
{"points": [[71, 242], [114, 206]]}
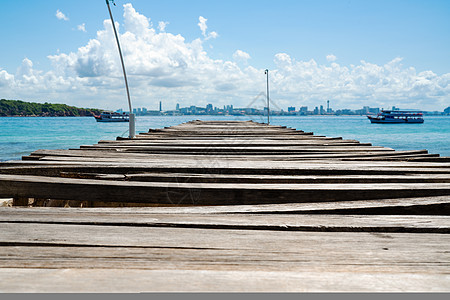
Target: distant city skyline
{"points": [[357, 53], [210, 109]]}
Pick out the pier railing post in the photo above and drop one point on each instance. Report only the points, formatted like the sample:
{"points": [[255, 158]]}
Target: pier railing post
{"points": [[268, 101], [132, 130]]}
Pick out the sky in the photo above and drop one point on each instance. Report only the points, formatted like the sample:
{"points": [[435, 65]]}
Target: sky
{"points": [[353, 53]]}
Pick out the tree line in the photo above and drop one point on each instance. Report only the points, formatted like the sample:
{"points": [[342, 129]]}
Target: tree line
{"points": [[22, 108]]}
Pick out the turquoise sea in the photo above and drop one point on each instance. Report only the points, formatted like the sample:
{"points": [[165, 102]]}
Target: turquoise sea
{"points": [[22, 135]]}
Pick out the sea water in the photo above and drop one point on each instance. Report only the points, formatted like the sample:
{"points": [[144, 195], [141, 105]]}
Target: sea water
{"points": [[20, 136]]}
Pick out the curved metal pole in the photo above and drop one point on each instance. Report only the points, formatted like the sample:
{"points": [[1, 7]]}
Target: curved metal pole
{"points": [[132, 120], [268, 102]]}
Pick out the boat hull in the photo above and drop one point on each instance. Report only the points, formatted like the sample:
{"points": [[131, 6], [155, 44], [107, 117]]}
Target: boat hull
{"points": [[396, 121], [112, 120]]}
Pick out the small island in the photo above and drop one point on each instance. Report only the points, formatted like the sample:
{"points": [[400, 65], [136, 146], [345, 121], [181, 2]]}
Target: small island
{"points": [[18, 108]]}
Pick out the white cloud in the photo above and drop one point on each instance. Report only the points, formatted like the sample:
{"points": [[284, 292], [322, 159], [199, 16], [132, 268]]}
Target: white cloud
{"points": [[61, 16], [165, 66], [240, 55], [204, 27], [82, 27], [162, 26], [5, 78], [331, 57]]}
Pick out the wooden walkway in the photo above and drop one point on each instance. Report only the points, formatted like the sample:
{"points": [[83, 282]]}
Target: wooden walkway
{"points": [[226, 206]]}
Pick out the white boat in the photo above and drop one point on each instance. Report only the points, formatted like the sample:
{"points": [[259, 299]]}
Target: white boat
{"points": [[112, 117], [397, 116]]}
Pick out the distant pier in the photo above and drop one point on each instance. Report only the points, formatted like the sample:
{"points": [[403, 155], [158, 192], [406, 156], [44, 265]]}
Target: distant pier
{"points": [[226, 206]]}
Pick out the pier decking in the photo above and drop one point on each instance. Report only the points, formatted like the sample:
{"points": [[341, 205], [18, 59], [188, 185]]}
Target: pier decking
{"points": [[226, 206]]}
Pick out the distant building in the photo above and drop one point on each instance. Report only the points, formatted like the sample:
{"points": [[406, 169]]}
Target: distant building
{"points": [[316, 111], [322, 111], [304, 110], [178, 106], [374, 110], [291, 108], [160, 105], [366, 110], [209, 108]]}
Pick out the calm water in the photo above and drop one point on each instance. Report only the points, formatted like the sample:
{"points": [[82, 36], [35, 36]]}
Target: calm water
{"points": [[21, 136]]}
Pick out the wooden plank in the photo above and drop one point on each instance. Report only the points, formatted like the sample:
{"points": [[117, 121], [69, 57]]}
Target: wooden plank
{"points": [[321, 223], [313, 258], [135, 280], [36, 155], [247, 149], [232, 141], [238, 162], [53, 235], [153, 136], [55, 168], [231, 178], [206, 193], [343, 207]]}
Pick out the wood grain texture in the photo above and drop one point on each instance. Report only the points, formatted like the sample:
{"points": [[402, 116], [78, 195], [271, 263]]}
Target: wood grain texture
{"points": [[314, 261], [230, 206]]}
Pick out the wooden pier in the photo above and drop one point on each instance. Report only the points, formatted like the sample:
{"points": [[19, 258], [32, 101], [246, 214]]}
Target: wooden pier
{"points": [[226, 206]]}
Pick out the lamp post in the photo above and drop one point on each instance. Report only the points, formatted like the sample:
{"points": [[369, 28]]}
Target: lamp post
{"points": [[132, 128], [268, 102]]}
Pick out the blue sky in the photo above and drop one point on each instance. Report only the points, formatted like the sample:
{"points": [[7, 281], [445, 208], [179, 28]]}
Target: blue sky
{"points": [[298, 40]]}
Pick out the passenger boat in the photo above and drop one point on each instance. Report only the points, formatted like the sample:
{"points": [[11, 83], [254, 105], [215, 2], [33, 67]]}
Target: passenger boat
{"points": [[397, 116], [107, 116]]}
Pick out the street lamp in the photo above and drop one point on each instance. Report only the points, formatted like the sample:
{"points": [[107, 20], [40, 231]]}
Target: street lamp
{"points": [[268, 107], [132, 128]]}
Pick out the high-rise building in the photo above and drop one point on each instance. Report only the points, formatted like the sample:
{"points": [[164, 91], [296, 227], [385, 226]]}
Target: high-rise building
{"points": [[291, 108], [304, 110], [329, 110], [178, 106], [366, 109], [160, 105]]}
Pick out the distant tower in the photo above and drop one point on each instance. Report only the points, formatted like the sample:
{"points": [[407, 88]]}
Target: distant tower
{"points": [[178, 106], [160, 105], [328, 106]]}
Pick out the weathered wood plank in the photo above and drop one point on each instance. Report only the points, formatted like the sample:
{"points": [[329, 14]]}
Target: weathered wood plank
{"points": [[342, 207], [236, 142], [234, 162], [73, 280], [232, 178], [176, 238], [199, 252], [321, 223], [246, 149], [206, 193], [109, 155]]}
